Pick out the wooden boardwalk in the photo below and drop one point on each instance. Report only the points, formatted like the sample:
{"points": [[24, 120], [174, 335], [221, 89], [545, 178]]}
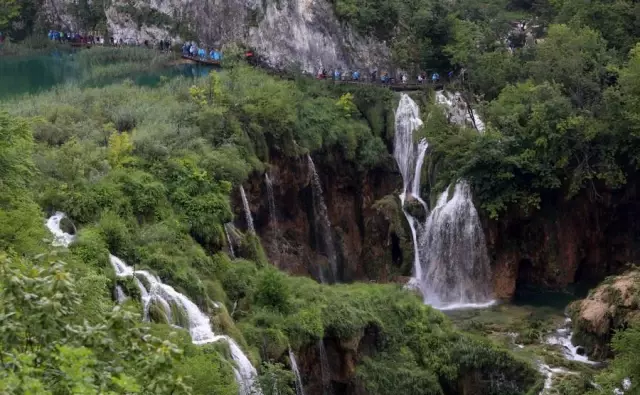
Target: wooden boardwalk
{"points": [[393, 85]]}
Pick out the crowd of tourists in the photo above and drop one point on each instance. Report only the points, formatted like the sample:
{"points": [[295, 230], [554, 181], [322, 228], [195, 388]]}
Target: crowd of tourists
{"points": [[191, 49], [384, 77]]}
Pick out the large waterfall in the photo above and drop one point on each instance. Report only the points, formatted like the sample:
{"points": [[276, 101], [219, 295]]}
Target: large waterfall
{"points": [[451, 265], [247, 211], [456, 268], [322, 220], [176, 307], [296, 372]]}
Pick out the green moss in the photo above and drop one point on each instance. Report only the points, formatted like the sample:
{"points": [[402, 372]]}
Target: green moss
{"points": [[157, 313]]}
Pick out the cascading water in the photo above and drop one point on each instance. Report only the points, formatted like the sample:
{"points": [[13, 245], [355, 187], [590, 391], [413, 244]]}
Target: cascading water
{"points": [[325, 369], [227, 231], [60, 237], [120, 296], [410, 158], [457, 272], [458, 111], [165, 296], [451, 266], [247, 211], [152, 290], [322, 218], [296, 372], [197, 322]]}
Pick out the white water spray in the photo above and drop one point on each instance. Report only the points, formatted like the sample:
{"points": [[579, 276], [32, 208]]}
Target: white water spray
{"points": [[227, 231], [60, 237], [458, 111], [322, 218], [563, 338], [247, 211], [451, 266], [296, 372], [120, 296], [457, 272]]}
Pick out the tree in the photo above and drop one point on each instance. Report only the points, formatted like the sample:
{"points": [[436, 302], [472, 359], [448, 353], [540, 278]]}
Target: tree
{"points": [[9, 9], [575, 58]]}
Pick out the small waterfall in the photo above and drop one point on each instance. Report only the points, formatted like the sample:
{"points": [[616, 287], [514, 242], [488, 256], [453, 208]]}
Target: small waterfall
{"points": [[457, 263], [562, 338], [120, 296], [60, 237], [296, 372], [152, 290], [458, 111], [244, 372], [273, 220], [247, 211], [451, 265], [227, 231], [325, 369], [322, 218], [155, 291], [197, 322]]}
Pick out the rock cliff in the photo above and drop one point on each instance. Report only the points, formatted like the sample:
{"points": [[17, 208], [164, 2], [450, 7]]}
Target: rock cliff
{"points": [[613, 305], [369, 235], [284, 32], [582, 239]]}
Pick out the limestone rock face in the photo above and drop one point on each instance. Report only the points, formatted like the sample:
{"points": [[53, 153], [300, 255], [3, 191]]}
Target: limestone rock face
{"points": [[613, 305], [583, 239], [284, 32], [367, 229]]}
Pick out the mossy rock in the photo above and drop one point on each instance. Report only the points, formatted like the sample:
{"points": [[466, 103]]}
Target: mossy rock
{"points": [[67, 226], [415, 208], [157, 313], [178, 315], [129, 286]]}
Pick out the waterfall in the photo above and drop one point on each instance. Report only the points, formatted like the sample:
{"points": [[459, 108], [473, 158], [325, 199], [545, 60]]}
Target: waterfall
{"points": [[322, 218], [563, 338], [325, 369], [273, 220], [60, 237], [244, 372], [120, 296], [155, 291], [173, 304], [247, 211], [410, 159], [457, 263], [451, 264], [296, 372], [227, 231], [458, 111]]}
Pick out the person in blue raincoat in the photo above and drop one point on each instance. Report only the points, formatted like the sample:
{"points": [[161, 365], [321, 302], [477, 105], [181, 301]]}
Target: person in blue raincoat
{"points": [[217, 56], [435, 77], [356, 75], [336, 75]]}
